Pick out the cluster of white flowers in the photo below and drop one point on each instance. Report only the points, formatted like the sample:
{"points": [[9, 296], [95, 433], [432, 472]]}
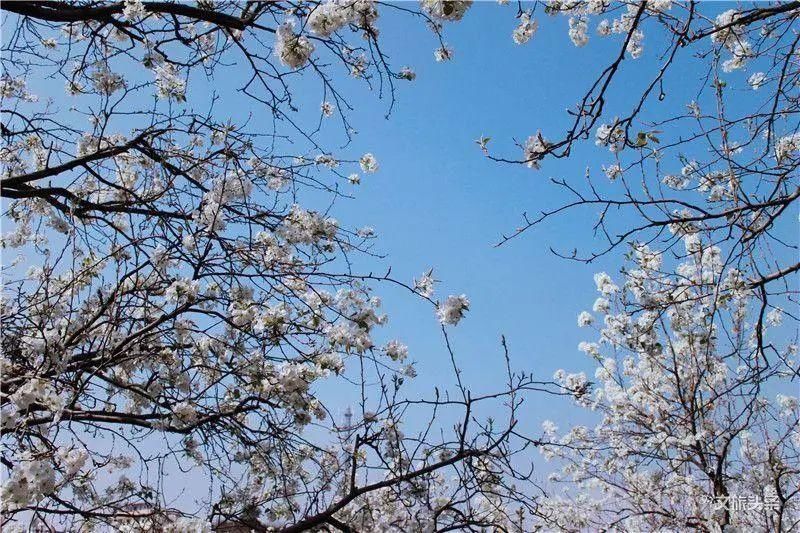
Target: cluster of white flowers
{"points": [[601, 305], [293, 50], [720, 185], [306, 227], [242, 312], [396, 350], [406, 73], [36, 391], [786, 146], [234, 186], [358, 66], [290, 383], [182, 290], [740, 53], [727, 32], [681, 182], [578, 31], [443, 53], [30, 480], [635, 47], [775, 317], [612, 172], [756, 80], [639, 390], [424, 285], [328, 17], [589, 348], [169, 83], [185, 413], [612, 136], [273, 319], [580, 12], [326, 160], [134, 11], [366, 232], [575, 383], [368, 163], [535, 148], [585, 319], [327, 109], [450, 10], [11, 87], [330, 362], [789, 405], [526, 29], [605, 285], [361, 316], [72, 460], [732, 37], [453, 309], [107, 82], [277, 178]]}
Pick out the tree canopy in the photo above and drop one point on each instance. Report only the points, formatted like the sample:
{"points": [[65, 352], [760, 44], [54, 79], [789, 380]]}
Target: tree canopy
{"points": [[183, 297]]}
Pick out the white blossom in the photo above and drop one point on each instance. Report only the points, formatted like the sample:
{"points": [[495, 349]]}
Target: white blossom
{"points": [[578, 31], [443, 53], [451, 10], [406, 73], [169, 83], [756, 80], [526, 29], [535, 148], [134, 10], [396, 350], [292, 50], [368, 163], [424, 285], [453, 309], [786, 146], [775, 317], [585, 319]]}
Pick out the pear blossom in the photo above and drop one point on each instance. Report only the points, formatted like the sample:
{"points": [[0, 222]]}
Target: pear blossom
{"points": [[406, 73], [452, 10], [585, 319], [424, 285], [396, 350], [443, 53], [368, 163], [526, 29], [756, 80], [293, 50], [452, 310]]}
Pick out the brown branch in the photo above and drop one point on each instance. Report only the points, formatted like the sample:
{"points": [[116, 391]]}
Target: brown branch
{"points": [[64, 12]]}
